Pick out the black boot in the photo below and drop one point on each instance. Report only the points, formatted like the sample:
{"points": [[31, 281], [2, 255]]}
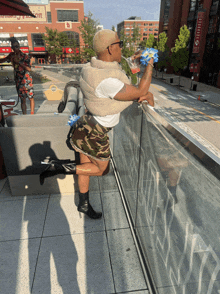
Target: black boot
{"points": [[85, 207], [55, 168]]}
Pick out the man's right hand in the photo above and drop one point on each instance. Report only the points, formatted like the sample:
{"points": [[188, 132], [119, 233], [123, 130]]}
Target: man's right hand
{"points": [[149, 98]]}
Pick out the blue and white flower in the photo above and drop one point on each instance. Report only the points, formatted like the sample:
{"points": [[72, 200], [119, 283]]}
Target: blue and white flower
{"points": [[148, 54], [73, 119]]}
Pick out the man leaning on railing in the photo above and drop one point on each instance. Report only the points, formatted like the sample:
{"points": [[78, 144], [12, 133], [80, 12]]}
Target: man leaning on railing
{"points": [[107, 92]]}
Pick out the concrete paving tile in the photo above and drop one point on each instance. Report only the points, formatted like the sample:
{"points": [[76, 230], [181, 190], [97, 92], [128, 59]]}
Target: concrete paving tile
{"points": [[22, 219], [63, 217], [114, 214], [17, 265], [108, 182], [127, 272], [94, 184], [137, 292], [76, 264]]}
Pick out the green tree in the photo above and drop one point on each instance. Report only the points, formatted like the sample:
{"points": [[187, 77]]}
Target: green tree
{"points": [[180, 53], [161, 43], [88, 30], [113, 29], [136, 36], [163, 51], [54, 42], [63, 39], [127, 51], [151, 42]]}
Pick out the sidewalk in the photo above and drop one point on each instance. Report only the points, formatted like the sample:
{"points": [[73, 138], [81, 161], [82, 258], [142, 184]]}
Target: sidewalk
{"points": [[47, 247], [209, 93]]}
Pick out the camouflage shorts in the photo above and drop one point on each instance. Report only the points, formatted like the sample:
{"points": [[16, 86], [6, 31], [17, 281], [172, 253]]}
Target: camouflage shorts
{"points": [[90, 138]]}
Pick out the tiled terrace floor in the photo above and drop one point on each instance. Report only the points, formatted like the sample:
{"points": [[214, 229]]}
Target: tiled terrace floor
{"points": [[47, 247]]}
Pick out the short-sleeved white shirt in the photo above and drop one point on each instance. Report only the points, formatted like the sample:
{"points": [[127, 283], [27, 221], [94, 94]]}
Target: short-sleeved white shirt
{"points": [[108, 88]]}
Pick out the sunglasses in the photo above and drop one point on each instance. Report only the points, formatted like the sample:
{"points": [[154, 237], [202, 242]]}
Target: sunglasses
{"points": [[120, 43]]}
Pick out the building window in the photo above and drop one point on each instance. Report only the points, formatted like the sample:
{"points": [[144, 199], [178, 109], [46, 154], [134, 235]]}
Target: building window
{"points": [[150, 24], [73, 37], [166, 12], [155, 29], [214, 8], [37, 40], [4, 40], [144, 34], [22, 39], [49, 20], [150, 30], [155, 34], [146, 24], [145, 29], [67, 15], [192, 5]]}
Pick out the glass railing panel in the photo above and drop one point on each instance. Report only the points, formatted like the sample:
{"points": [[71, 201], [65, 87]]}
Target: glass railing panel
{"points": [[177, 205], [126, 152], [180, 237]]}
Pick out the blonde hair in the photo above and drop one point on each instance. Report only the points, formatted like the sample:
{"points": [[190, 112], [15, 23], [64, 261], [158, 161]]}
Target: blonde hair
{"points": [[103, 39]]}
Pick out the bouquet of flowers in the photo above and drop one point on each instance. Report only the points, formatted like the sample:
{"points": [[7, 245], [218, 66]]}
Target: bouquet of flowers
{"points": [[73, 119], [148, 54]]}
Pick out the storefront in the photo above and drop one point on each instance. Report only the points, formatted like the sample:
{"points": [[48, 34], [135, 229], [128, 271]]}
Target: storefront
{"points": [[64, 16]]}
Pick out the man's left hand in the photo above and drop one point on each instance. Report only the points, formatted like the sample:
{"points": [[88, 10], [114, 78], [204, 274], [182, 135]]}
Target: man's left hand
{"points": [[149, 98]]}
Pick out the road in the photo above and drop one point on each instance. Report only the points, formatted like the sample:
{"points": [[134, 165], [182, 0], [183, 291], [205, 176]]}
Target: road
{"points": [[200, 119]]}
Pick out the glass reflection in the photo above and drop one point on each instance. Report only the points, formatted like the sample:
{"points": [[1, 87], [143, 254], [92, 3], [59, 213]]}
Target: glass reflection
{"points": [[126, 152], [176, 206]]}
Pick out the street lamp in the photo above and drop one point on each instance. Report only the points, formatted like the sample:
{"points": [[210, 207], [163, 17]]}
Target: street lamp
{"points": [[192, 78], [165, 70]]}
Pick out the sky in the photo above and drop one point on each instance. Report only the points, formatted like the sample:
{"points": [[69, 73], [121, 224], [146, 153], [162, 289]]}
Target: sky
{"points": [[110, 13]]}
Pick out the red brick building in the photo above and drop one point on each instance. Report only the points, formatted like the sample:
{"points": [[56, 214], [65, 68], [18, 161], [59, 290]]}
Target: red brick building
{"points": [[147, 27], [202, 18], [65, 16]]}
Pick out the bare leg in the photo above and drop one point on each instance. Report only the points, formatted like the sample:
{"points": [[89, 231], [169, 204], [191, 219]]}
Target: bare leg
{"points": [[83, 180], [32, 105], [89, 167], [23, 106], [93, 168]]}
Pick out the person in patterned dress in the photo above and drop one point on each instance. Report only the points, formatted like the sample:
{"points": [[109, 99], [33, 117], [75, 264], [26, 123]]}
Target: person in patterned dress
{"points": [[22, 67]]}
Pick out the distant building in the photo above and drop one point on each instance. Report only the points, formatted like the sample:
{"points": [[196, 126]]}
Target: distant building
{"points": [[203, 21], [147, 27], [65, 16], [99, 27]]}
